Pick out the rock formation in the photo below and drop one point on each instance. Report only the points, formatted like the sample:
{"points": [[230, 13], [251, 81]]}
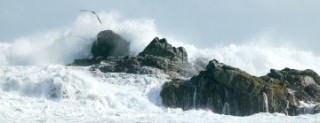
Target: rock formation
{"points": [[158, 54], [228, 90], [161, 48], [110, 53], [220, 88], [108, 44]]}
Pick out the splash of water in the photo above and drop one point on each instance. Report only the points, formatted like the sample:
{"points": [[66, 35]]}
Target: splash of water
{"points": [[226, 109], [75, 41], [255, 56], [194, 96], [266, 104]]}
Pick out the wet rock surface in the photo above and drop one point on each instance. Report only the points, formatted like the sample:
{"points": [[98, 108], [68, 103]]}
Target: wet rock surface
{"points": [[161, 48], [159, 54], [228, 90], [220, 88], [108, 44]]}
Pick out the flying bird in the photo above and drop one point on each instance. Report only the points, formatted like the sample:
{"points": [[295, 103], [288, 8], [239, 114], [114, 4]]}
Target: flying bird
{"points": [[93, 12]]}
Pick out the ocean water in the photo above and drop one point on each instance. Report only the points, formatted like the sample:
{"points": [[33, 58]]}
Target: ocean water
{"points": [[36, 86]]}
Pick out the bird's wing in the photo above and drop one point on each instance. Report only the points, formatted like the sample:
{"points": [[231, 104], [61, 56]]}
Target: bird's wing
{"points": [[83, 10], [93, 12], [97, 17]]}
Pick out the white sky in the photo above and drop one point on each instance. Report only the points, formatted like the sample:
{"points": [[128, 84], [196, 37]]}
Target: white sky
{"points": [[202, 22]]}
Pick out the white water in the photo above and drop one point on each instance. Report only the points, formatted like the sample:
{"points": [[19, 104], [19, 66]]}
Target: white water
{"points": [[226, 109], [97, 97], [43, 90], [291, 92], [194, 97], [266, 104]]}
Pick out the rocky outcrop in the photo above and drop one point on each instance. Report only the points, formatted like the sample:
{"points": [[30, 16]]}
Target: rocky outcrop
{"points": [[108, 44], [161, 48], [162, 55], [228, 90], [303, 84], [220, 88], [110, 53], [158, 54]]}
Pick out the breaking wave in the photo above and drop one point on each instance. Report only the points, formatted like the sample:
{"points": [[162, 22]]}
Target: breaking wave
{"points": [[255, 56]]}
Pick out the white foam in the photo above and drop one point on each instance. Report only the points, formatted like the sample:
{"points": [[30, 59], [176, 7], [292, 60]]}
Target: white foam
{"points": [[255, 56], [65, 45], [98, 97]]}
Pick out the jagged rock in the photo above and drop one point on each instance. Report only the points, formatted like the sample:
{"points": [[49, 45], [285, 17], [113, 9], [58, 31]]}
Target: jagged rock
{"points": [[84, 62], [110, 48], [158, 54], [221, 88], [161, 48], [228, 90], [316, 109], [108, 44], [128, 65], [304, 84], [161, 54]]}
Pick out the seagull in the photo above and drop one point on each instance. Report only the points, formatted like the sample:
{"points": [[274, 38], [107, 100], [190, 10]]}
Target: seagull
{"points": [[93, 12]]}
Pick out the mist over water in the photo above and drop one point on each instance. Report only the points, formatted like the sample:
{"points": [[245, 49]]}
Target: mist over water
{"points": [[256, 56], [65, 45]]}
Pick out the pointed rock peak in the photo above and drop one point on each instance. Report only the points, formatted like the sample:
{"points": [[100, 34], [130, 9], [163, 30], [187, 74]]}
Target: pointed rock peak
{"points": [[163, 40], [214, 64], [156, 39], [161, 48]]}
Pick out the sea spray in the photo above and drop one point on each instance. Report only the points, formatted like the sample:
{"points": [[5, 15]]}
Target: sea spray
{"points": [[265, 99], [226, 109], [194, 96], [73, 42], [291, 92]]}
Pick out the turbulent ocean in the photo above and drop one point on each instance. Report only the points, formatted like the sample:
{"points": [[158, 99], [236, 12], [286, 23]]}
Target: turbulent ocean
{"points": [[37, 86]]}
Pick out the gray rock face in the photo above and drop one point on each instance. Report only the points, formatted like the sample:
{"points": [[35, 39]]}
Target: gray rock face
{"points": [[158, 54], [220, 88], [161, 48], [112, 50], [109, 44], [228, 90]]}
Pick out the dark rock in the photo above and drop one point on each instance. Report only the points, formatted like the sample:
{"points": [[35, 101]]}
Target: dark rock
{"points": [[221, 88], [316, 109], [305, 84], [158, 54], [162, 55], [109, 44], [228, 90], [161, 48], [84, 62], [111, 51], [128, 65], [173, 91], [313, 91], [275, 74]]}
